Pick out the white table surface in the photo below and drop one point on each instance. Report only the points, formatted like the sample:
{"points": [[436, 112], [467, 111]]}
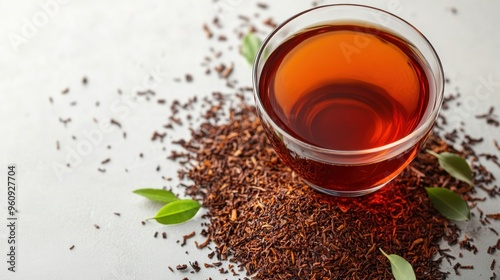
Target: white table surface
{"points": [[118, 45]]}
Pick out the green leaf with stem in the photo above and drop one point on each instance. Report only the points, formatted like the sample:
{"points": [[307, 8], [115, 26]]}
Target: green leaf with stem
{"points": [[454, 165], [159, 195], [449, 204], [401, 268], [250, 47], [177, 212]]}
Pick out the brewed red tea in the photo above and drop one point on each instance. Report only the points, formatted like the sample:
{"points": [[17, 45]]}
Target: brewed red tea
{"points": [[345, 87]]}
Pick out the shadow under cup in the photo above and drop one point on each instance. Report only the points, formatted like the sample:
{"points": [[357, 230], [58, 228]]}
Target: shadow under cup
{"points": [[347, 95]]}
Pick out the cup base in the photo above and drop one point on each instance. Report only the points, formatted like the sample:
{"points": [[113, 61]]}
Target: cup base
{"points": [[346, 193]]}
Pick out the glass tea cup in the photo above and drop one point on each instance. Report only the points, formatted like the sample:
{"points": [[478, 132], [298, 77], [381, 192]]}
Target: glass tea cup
{"points": [[347, 95]]}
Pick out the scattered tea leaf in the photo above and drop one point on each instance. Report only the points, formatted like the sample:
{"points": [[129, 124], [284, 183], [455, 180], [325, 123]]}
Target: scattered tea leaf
{"points": [[454, 165], [250, 47], [177, 212], [157, 195], [449, 204], [401, 269]]}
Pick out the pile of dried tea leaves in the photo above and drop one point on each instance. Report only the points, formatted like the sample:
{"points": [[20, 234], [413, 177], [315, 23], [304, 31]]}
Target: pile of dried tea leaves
{"points": [[264, 218]]}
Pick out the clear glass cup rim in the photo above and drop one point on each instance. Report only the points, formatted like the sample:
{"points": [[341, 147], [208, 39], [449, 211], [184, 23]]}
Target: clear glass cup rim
{"points": [[418, 131]]}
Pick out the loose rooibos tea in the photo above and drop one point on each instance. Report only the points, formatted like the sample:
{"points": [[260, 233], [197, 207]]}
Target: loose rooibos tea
{"points": [[346, 88]]}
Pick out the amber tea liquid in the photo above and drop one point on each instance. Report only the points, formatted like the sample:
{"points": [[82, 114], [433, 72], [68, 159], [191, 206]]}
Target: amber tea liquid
{"points": [[345, 87]]}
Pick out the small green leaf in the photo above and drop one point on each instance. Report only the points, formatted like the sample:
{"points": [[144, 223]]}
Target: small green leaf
{"points": [[250, 47], [401, 269], [449, 204], [454, 165], [157, 195], [177, 212]]}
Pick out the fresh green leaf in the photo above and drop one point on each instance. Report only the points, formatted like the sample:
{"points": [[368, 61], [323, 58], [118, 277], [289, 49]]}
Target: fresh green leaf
{"points": [[449, 204], [157, 195], [250, 47], [177, 212], [454, 165], [401, 269]]}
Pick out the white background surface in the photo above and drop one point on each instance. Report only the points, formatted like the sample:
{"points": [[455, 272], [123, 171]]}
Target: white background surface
{"points": [[118, 45]]}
